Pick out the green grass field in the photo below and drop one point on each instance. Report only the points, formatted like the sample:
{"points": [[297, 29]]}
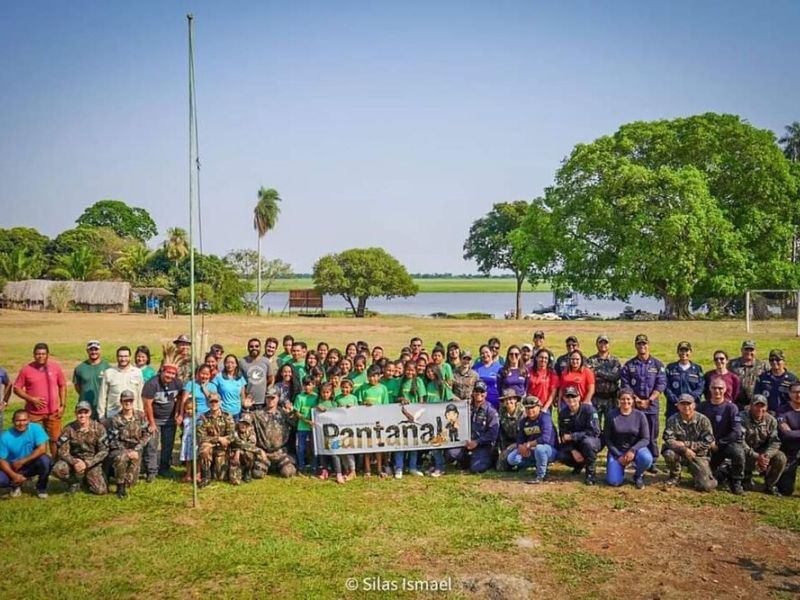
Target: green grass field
{"points": [[442, 285], [304, 538]]}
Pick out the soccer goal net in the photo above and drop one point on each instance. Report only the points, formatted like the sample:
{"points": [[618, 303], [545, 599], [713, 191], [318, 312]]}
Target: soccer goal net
{"points": [[772, 310]]}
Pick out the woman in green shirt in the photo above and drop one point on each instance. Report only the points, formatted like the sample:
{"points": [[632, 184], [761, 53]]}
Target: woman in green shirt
{"points": [[142, 359]]}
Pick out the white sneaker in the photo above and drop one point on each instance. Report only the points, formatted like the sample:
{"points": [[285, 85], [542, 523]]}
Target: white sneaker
{"points": [[417, 473], [42, 495], [398, 474], [436, 473], [16, 492]]}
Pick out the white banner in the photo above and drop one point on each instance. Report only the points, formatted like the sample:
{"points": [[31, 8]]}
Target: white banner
{"points": [[391, 428]]}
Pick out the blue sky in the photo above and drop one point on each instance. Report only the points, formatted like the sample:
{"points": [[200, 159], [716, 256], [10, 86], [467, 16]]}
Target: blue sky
{"points": [[393, 124]]}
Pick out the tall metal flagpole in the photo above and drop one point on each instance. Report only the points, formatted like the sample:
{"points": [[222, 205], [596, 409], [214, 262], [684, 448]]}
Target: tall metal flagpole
{"points": [[192, 163]]}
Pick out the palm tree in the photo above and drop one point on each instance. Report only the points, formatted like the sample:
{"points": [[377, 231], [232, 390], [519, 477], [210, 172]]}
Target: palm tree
{"points": [[265, 217], [133, 263], [176, 244], [18, 265], [81, 265], [791, 142]]}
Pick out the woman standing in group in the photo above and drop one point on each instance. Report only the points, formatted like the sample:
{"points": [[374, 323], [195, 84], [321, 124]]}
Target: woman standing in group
{"points": [[202, 388], [142, 359], [542, 379], [514, 374], [231, 385], [287, 386], [578, 375], [488, 369], [720, 371]]}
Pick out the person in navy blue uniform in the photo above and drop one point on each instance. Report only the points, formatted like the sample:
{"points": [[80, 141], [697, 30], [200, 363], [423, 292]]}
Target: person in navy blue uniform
{"points": [[728, 435], [476, 454], [646, 376], [579, 426], [536, 440], [789, 434], [683, 377], [775, 383]]}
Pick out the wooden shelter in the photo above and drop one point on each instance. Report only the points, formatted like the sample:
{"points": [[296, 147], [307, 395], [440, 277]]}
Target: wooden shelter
{"points": [[90, 296]]}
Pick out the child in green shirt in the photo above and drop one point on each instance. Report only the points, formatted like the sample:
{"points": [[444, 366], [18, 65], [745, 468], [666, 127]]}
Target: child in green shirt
{"points": [[303, 403], [326, 402], [373, 394], [347, 399]]}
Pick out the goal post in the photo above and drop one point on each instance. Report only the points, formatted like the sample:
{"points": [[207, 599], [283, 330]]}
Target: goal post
{"points": [[772, 304]]}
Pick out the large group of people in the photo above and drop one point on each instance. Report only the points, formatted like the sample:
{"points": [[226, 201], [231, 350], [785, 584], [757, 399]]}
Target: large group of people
{"points": [[528, 409]]}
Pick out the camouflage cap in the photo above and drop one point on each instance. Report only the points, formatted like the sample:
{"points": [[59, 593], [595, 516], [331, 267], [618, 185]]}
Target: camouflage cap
{"points": [[538, 334], [748, 345], [602, 338], [776, 354], [126, 395], [508, 394], [479, 387], [684, 346], [641, 339], [572, 391], [760, 399], [686, 399], [531, 401], [466, 354], [272, 392], [83, 406]]}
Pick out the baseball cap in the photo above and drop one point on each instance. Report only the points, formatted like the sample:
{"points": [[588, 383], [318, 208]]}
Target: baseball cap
{"points": [[126, 395], [509, 393], [538, 334], [466, 354], [479, 387], [272, 392], [531, 401], [528, 347], [82, 406], [571, 340], [685, 399], [775, 353], [748, 345], [93, 345], [213, 399], [602, 338], [684, 346], [182, 339], [572, 391], [641, 339], [760, 399]]}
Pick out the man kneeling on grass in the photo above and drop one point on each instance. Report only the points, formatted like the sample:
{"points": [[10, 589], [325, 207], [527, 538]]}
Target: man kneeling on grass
{"points": [[536, 440], [23, 454]]}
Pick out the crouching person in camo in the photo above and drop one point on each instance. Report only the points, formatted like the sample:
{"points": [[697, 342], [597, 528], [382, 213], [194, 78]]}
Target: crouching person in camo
{"points": [[82, 448], [128, 434], [216, 434], [510, 414], [247, 460], [273, 427], [688, 437]]}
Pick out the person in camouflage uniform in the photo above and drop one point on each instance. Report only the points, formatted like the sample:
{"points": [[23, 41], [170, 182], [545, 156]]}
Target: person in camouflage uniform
{"points": [[511, 411], [128, 434], [273, 428], [762, 446], [748, 368], [464, 377], [607, 371], [82, 448], [215, 432], [688, 437], [247, 460]]}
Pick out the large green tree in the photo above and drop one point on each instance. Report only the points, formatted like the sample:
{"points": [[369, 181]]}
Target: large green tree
{"points": [[702, 206], [265, 217], [28, 247], [133, 263], [490, 245], [246, 264], [362, 273], [81, 265], [126, 221]]}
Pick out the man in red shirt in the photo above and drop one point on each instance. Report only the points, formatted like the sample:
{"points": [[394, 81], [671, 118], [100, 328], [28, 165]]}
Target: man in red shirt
{"points": [[43, 386]]}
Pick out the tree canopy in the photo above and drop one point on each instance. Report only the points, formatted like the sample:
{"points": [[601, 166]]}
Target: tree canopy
{"points": [[362, 273], [126, 221], [697, 207]]}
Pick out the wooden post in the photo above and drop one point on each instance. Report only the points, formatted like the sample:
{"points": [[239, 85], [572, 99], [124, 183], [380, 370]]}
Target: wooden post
{"points": [[747, 309]]}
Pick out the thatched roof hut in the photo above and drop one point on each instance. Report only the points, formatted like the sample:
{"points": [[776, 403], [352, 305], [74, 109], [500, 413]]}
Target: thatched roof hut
{"points": [[96, 296]]}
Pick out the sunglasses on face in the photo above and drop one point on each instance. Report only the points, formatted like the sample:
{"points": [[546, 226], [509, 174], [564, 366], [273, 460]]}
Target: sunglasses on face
{"points": [[775, 360], [719, 359], [513, 353]]}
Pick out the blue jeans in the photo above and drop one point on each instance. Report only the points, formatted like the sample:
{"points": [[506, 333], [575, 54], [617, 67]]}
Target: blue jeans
{"points": [[478, 460], [304, 439], [412, 460], [615, 472], [156, 461], [541, 456], [40, 467]]}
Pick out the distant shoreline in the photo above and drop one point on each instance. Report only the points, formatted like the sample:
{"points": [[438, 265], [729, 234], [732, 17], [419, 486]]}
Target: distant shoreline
{"points": [[433, 285]]}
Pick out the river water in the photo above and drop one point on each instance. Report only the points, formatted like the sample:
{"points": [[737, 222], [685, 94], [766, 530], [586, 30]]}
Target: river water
{"points": [[496, 304]]}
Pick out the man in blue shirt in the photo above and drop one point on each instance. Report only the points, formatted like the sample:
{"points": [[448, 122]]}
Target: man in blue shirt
{"points": [[646, 376], [536, 440], [23, 454], [683, 377]]}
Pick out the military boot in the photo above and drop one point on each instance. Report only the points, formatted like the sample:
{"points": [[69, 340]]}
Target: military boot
{"points": [[747, 484], [205, 477], [590, 478], [122, 491], [246, 476], [736, 487]]}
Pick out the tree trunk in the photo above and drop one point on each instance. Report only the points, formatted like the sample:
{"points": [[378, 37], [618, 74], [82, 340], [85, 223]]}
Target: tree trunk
{"points": [[518, 311], [350, 302], [362, 304], [258, 289], [676, 307]]}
